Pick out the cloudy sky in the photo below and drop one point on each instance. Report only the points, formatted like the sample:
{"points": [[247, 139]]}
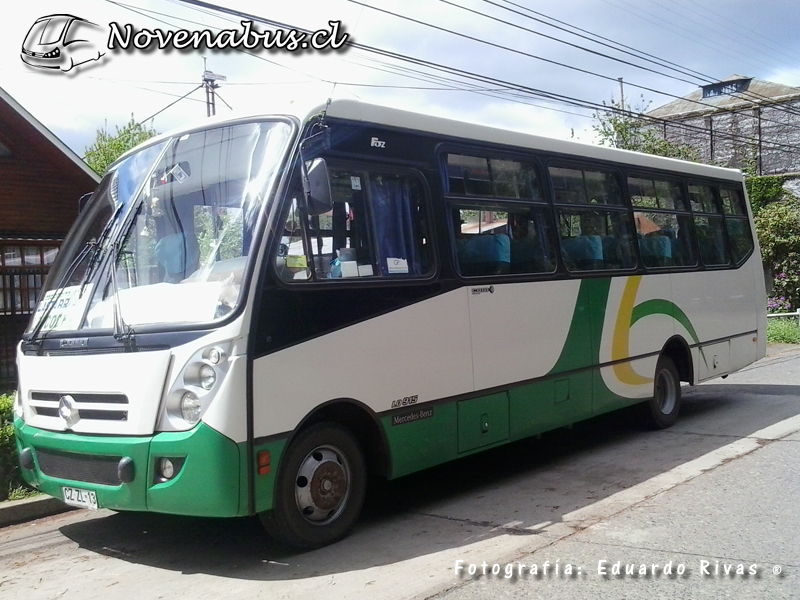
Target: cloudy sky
{"points": [[546, 49]]}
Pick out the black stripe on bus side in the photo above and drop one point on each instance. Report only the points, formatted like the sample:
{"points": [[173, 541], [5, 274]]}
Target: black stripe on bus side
{"points": [[292, 315]]}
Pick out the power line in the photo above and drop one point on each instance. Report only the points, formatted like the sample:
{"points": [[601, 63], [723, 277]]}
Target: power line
{"points": [[169, 105], [743, 32], [678, 30], [509, 86], [489, 80], [594, 37], [747, 95], [704, 104], [208, 8], [549, 37]]}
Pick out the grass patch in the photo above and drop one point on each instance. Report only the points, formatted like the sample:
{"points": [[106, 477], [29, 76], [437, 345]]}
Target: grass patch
{"points": [[12, 486], [22, 492], [783, 330]]}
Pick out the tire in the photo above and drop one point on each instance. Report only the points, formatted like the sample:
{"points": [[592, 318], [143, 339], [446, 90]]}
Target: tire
{"points": [[661, 411], [320, 488]]}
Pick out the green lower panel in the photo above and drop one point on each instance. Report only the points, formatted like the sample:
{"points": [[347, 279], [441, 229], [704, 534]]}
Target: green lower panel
{"points": [[265, 482], [533, 408], [604, 400], [210, 482], [421, 437], [79, 454], [549, 404], [482, 421], [208, 485]]}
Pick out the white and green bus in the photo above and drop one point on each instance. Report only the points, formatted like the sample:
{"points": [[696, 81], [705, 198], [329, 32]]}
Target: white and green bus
{"points": [[252, 316]]}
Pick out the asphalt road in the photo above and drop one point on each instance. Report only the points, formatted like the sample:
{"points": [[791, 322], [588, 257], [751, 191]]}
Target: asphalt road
{"points": [[712, 495]]}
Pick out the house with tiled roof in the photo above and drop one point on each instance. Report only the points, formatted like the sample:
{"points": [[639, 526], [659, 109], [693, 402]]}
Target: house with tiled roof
{"points": [[737, 122], [41, 182]]}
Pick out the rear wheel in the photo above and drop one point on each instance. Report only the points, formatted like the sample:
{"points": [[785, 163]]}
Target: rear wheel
{"points": [[319, 489], [661, 411]]}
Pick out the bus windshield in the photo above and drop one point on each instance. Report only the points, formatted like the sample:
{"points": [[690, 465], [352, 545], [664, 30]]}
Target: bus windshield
{"points": [[167, 234]]}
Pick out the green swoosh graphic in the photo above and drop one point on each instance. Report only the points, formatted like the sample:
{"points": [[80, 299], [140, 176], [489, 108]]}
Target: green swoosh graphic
{"points": [[664, 307]]}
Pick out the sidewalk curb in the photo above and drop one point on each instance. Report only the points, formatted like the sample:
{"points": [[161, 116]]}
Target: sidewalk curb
{"points": [[28, 509], [774, 348]]}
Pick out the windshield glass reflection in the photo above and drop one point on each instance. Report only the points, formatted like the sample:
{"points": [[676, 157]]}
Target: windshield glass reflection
{"points": [[176, 223]]}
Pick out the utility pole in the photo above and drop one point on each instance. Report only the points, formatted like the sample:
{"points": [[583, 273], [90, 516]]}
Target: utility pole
{"points": [[210, 84], [621, 95]]}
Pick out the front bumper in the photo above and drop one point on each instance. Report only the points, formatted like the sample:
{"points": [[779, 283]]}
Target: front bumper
{"points": [[211, 481]]}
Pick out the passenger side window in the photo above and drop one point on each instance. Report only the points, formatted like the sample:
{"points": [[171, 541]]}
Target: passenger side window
{"points": [[492, 177], [376, 227], [736, 223], [663, 223], [499, 239], [709, 225], [292, 260], [580, 186], [597, 235], [595, 239]]}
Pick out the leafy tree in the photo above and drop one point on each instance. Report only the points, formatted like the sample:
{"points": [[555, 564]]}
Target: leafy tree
{"points": [[777, 220], [763, 189], [778, 229], [766, 189], [626, 127], [109, 147]]}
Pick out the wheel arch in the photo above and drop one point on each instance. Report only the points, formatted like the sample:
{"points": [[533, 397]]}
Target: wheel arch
{"points": [[362, 423], [678, 350]]}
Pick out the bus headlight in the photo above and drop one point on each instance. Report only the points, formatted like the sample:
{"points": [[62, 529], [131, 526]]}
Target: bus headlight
{"points": [[167, 468], [190, 408], [199, 378], [207, 376], [215, 355]]}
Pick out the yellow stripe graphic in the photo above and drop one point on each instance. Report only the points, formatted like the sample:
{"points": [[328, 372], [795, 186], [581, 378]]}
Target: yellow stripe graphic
{"points": [[622, 331]]}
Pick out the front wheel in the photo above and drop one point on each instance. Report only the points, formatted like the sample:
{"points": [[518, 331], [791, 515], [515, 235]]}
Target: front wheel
{"points": [[319, 490], [661, 411]]}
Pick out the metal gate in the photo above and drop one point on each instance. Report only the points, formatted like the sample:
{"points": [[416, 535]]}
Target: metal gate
{"points": [[23, 267]]}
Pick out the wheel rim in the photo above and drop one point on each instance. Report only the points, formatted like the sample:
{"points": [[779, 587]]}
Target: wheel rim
{"points": [[666, 392], [322, 485]]}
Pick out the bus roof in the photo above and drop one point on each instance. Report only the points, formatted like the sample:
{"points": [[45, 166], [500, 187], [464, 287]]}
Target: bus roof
{"points": [[362, 112], [353, 110]]}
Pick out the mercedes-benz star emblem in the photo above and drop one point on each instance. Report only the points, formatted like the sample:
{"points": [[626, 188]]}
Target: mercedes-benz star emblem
{"points": [[68, 411]]}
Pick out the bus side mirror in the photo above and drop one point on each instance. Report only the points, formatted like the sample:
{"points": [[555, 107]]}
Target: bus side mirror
{"points": [[317, 187]]}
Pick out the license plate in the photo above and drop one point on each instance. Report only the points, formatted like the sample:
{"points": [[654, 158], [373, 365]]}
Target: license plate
{"points": [[80, 498]]}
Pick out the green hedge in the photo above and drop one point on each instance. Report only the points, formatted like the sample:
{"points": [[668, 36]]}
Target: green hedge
{"points": [[783, 330], [10, 477]]}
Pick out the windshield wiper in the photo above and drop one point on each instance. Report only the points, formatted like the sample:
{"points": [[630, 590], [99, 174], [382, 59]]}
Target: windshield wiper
{"points": [[94, 246], [122, 331], [59, 287], [97, 245]]}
